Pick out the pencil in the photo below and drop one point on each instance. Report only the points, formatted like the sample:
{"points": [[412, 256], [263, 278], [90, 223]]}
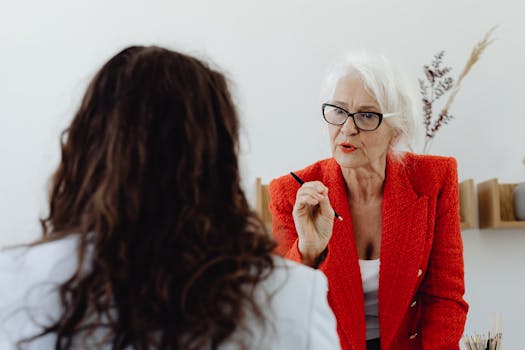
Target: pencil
{"points": [[301, 181]]}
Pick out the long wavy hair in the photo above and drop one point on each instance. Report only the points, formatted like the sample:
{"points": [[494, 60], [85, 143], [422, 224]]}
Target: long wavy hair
{"points": [[169, 250]]}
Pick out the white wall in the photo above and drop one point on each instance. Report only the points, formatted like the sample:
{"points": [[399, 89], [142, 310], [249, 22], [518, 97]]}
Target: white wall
{"points": [[276, 53]]}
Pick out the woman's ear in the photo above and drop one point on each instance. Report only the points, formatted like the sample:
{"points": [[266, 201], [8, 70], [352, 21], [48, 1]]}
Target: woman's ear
{"points": [[396, 134]]}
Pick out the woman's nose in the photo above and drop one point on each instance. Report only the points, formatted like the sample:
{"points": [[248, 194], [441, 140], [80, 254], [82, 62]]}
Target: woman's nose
{"points": [[349, 128]]}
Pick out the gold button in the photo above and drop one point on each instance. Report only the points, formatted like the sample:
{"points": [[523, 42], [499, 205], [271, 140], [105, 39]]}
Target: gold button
{"points": [[419, 273], [413, 336], [413, 303]]}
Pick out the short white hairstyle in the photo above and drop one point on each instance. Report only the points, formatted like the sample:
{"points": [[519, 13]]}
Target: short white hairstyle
{"points": [[388, 85]]}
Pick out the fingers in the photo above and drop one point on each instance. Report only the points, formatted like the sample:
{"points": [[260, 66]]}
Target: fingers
{"points": [[311, 194], [326, 207]]}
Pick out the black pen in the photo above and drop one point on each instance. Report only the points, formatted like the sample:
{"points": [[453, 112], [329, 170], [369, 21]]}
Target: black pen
{"points": [[298, 179]]}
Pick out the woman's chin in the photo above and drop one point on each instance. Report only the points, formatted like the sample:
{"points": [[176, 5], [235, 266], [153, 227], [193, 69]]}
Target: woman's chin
{"points": [[346, 160]]}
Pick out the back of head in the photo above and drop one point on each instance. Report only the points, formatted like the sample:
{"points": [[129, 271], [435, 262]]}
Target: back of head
{"points": [[387, 84], [149, 179]]}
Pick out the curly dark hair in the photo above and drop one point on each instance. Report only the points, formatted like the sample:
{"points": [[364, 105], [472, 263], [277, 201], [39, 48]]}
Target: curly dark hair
{"points": [[169, 251]]}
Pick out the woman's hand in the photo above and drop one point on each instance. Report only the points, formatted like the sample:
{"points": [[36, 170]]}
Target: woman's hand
{"points": [[314, 219]]}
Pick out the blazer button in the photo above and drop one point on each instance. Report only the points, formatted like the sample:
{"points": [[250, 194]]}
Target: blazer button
{"points": [[413, 303], [419, 273], [413, 336]]}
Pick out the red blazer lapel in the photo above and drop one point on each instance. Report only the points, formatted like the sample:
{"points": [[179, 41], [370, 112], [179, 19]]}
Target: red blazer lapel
{"points": [[342, 269], [404, 228]]}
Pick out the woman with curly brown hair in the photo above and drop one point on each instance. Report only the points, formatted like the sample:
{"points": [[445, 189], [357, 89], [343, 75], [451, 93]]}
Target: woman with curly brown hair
{"points": [[150, 242]]}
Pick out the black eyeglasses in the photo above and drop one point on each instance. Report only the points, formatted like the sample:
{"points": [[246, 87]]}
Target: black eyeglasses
{"points": [[365, 121]]}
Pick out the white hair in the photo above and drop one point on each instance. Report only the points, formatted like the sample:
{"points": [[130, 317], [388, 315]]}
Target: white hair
{"points": [[388, 85]]}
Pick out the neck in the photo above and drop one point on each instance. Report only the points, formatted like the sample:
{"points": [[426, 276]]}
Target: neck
{"points": [[365, 184]]}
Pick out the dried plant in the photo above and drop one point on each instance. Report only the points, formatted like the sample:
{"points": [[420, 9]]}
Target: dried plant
{"points": [[483, 342], [491, 341], [438, 83]]}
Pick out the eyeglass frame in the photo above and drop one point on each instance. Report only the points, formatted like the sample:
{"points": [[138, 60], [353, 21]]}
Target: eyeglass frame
{"points": [[351, 115]]}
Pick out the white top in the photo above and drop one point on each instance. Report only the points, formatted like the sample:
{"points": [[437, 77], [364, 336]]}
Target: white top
{"points": [[370, 277], [298, 314]]}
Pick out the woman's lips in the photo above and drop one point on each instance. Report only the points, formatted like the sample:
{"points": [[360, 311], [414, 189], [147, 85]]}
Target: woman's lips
{"points": [[347, 147]]}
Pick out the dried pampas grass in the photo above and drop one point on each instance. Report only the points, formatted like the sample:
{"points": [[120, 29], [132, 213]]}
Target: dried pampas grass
{"points": [[440, 83]]}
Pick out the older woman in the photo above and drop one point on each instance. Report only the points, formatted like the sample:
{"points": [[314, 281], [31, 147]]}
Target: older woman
{"points": [[395, 262]]}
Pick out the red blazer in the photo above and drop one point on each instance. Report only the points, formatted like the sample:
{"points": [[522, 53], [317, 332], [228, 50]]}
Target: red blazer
{"points": [[421, 282]]}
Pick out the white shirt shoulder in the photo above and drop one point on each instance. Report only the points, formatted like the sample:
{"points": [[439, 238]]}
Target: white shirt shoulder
{"points": [[28, 280], [297, 310], [293, 300]]}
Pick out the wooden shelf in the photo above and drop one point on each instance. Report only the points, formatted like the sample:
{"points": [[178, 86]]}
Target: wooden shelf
{"points": [[262, 202], [466, 204], [496, 207]]}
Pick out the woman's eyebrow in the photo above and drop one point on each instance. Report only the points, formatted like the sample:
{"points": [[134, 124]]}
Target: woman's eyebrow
{"points": [[365, 107], [368, 107], [339, 103]]}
